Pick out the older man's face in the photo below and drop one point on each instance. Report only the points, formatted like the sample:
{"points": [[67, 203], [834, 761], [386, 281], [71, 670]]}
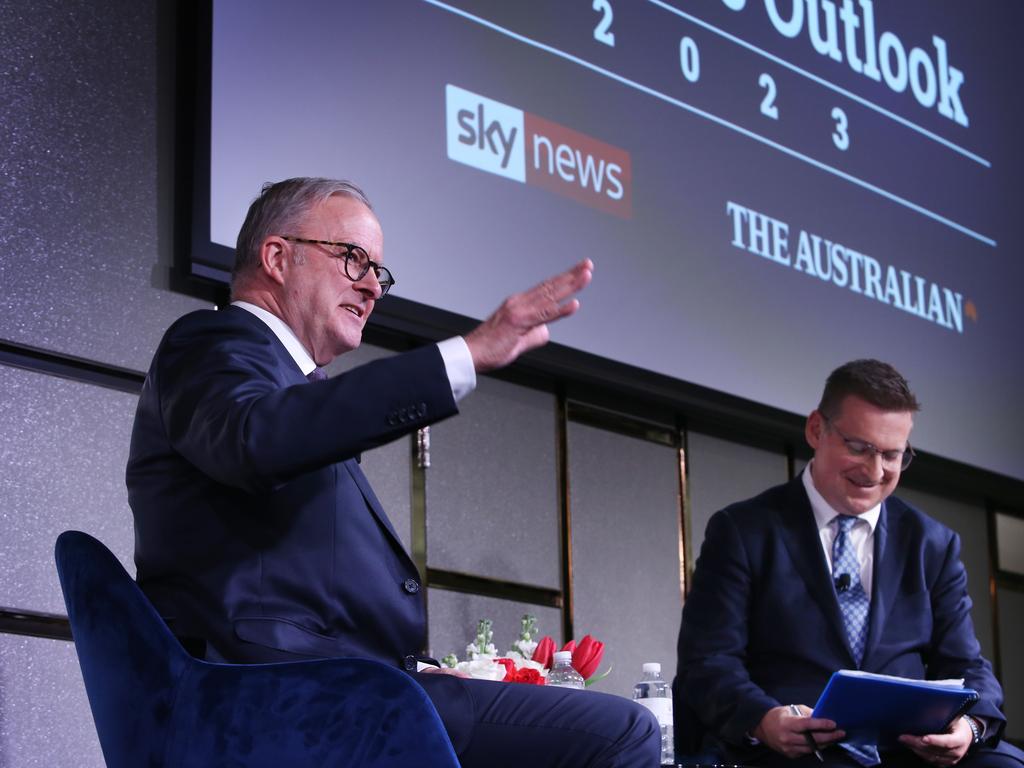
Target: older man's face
{"points": [[325, 309], [854, 484]]}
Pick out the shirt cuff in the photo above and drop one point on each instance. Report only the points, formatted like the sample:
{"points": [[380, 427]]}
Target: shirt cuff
{"points": [[458, 364]]}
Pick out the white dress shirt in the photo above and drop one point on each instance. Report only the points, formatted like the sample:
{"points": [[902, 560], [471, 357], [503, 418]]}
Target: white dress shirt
{"points": [[458, 362], [862, 535]]}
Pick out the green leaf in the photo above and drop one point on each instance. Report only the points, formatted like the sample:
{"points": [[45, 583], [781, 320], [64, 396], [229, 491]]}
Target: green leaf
{"points": [[597, 678]]}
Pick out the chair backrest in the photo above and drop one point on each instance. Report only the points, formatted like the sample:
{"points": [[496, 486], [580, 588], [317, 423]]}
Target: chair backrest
{"points": [[130, 661], [154, 705], [693, 743]]}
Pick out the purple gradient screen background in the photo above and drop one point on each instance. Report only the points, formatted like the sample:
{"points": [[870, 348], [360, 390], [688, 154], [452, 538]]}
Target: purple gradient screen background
{"points": [[357, 90]]}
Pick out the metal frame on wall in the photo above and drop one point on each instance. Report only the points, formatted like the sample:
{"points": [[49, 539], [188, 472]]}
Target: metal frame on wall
{"points": [[21, 620]]}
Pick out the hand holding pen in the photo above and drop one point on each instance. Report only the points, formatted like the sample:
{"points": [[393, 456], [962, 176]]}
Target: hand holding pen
{"points": [[795, 711], [788, 731]]}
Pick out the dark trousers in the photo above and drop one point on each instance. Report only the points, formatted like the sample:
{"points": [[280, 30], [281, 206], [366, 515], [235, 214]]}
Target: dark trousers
{"points": [[493, 725], [1003, 755]]}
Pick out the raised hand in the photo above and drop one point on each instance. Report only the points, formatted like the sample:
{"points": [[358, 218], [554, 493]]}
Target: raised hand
{"points": [[521, 322]]}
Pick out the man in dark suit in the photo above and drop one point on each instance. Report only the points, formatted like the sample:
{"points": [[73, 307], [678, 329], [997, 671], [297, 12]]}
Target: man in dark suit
{"points": [[770, 616], [258, 536]]}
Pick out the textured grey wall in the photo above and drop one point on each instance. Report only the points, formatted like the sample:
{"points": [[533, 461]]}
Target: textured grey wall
{"points": [[454, 617], [62, 464], [1010, 536], [492, 491], [45, 720], [624, 496], [80, 265], [720, 473], [81, 273]]}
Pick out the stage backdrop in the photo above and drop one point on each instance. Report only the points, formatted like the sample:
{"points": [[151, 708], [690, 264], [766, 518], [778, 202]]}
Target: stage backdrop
{"points": [[767, 187]]}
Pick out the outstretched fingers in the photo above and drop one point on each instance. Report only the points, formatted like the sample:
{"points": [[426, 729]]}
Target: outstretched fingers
{"points": [[520, 323], [553, 299]]}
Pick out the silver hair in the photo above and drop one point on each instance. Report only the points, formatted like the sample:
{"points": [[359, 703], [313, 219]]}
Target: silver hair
{"points": [[279, 208]]}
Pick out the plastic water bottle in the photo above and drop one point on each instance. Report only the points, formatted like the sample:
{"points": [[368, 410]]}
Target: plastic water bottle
{"points": [[653, 692], [562, 674]]}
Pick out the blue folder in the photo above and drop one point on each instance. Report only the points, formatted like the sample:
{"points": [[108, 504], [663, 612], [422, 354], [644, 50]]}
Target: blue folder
{"points": [[877, 709]]}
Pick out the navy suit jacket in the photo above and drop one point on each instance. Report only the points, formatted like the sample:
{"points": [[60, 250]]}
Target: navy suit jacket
{"points": [[761, 626], [255, 528]]}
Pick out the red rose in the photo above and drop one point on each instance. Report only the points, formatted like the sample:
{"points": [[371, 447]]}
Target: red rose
{"points": [[527, 675]]}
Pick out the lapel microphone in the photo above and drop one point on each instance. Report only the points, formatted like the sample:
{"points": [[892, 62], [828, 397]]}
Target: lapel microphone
{"points": [[842, 582]]}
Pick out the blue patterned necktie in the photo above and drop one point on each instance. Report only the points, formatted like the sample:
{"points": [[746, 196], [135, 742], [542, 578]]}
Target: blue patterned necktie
{"points": [[853, 600], [854, 605]]}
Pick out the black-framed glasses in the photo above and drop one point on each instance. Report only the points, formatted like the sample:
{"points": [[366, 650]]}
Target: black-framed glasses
{"points": [[864, 450], [355, 261]]}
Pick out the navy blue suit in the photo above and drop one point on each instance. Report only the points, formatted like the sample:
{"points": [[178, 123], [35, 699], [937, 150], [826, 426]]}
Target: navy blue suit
{"points": [[761, 626], [244, 531], [258, 536]]}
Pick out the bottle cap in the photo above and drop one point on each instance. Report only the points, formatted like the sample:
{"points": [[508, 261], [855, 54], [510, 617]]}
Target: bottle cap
{"points": [[652, 666], [563, 657]]}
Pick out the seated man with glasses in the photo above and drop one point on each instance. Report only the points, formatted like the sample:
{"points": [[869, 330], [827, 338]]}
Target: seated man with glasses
{"points": [[829, 572], [258, 537]]}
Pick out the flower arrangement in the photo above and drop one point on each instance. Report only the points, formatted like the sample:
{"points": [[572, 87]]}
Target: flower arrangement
{"points": [[527, 660]]}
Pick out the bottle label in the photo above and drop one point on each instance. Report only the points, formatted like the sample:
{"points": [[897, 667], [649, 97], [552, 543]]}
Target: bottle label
{"points": [[661, 707]]}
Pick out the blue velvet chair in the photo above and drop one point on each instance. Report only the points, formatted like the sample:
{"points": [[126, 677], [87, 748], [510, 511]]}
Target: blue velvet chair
{"points": [[155, 705]]}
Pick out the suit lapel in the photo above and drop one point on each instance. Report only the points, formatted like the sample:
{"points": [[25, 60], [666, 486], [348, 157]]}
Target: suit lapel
{"points": [[372, 502], [889, 556], [292, 374], [800, 535]]}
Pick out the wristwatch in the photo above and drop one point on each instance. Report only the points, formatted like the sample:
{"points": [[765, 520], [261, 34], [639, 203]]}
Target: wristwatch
{"points": [[975, 727]]}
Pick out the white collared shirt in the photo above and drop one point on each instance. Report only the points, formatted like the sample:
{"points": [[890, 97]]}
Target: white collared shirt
{"points": [[458, 362], [862, 535]]}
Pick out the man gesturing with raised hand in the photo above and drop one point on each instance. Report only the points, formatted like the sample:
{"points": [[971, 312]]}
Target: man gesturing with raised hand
{"points": [[258, 537]]}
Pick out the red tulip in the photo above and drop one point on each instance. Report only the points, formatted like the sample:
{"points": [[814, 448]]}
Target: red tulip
{"points": [[510, 667], [586, 656], [544, 651]]}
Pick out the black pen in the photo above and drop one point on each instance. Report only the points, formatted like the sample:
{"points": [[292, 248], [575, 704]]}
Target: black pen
{"points": [[807, 734]]}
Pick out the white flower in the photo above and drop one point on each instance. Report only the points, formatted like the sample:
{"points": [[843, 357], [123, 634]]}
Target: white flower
{"points": [[525, 648], [522, 662], [525, 645], [473, 651], [482, 668]]}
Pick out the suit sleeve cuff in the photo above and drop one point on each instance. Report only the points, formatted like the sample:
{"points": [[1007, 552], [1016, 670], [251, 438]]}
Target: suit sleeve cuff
{"points": [[458, 364]]}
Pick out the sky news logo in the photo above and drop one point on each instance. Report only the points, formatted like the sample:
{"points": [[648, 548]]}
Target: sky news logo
{"points": [[509, 142]]}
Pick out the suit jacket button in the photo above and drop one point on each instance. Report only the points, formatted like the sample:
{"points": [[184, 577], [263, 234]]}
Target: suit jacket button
{"points": [[409, 662], [411, 586]]}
